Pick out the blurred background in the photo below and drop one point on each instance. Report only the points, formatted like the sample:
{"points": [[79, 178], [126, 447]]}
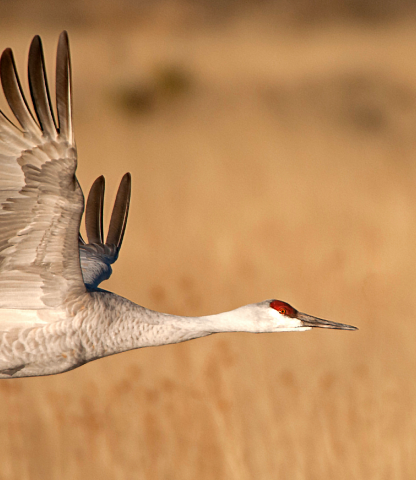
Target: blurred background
{"points": [[273, 152]]}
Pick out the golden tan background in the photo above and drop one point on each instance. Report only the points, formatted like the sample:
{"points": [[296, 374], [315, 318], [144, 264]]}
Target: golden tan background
{"points": [[273, 152]]}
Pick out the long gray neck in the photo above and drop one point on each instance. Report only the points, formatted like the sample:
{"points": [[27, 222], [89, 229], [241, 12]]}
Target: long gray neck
{"points": [[114, 324]]}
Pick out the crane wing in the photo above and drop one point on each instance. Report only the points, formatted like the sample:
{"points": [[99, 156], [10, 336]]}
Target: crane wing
{"points": [[41, 202], [97, 256]]}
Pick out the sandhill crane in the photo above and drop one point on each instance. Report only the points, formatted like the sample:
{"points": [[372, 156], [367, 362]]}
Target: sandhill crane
{"points": [[53, 316]]}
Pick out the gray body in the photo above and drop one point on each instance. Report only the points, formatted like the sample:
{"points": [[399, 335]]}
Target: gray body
{"points": [[93, 325]]}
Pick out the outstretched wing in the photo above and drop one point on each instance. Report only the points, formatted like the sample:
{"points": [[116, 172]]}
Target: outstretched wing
{"points": [[97, 256], [41, 202]]}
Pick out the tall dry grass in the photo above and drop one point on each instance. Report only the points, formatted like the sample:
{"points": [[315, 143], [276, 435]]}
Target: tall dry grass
{"points": [[284, 166]]}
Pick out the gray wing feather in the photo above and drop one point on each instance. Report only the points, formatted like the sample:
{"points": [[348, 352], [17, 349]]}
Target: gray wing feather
{"points": [[97, 256], [41, 202], [39, 90], [14, 94], [120, 213], [63, 89], [94, 211]]}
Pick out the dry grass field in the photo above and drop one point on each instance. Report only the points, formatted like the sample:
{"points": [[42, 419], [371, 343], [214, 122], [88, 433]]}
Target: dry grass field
{"points": [[267, 162]]}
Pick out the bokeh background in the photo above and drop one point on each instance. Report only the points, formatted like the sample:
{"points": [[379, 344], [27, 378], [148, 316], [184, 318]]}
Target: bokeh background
{"points": [[273, 152]]}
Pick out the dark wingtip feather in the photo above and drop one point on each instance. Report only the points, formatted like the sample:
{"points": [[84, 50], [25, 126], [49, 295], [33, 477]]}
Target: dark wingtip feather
{"points": [[94, 211], [120, 212], [64, 35], [39, 89], [64, 87], [13, 92]]}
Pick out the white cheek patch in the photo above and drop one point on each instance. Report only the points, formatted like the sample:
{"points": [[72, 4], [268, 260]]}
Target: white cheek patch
{"points": [[285, 322]]}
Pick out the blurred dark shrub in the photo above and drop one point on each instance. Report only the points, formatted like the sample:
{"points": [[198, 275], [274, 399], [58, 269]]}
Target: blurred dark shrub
{"points": [[165, 84]]}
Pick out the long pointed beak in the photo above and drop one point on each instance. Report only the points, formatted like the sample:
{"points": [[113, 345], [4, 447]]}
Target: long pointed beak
{"points": [[309, 321]]}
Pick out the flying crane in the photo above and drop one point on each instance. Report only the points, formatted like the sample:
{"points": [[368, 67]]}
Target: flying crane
{"points": [[53, 315]]}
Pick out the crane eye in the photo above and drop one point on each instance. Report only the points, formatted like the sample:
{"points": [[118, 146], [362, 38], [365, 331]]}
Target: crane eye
{"points": [[283, 308]]}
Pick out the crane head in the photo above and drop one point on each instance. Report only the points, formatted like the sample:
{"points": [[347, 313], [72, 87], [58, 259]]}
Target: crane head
{"points": [[290, 319]]}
